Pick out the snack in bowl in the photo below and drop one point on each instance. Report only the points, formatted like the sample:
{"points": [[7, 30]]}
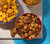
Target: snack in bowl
{"points": [[28, 26], [13, 32], [31, 2], [8, 10]]}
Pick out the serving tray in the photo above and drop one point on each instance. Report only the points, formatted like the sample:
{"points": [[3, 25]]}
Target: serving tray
{"points": [[5, 28]]}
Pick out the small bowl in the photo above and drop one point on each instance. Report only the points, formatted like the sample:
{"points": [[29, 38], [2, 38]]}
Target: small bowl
{"points": [[25, 14], [32, 4], [16, 14]]}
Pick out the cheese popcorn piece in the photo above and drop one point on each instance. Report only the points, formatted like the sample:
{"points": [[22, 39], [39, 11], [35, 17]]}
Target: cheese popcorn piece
{"points": [[3, 0], [14, 7], [16, 11], [4, 21], [14, 0], [5, 6], [1, 19], [4, 15], [10, 10], [10, 18], [1, 13], [9, 1]]}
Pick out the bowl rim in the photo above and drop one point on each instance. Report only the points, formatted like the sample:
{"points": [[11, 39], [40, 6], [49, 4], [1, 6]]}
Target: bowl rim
{"points": [[14, 17], [25, 14]]}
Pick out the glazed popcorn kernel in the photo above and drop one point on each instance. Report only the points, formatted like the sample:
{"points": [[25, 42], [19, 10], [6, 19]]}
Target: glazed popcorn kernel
{"points": [[34, 29], [30, 37], [35, 25], [34, 19], [30, 28], [32, 25], [39, 26], [30, 32], [22, 17], [27, 26], [4, 10], [13, 32], [20, 20], [23, 36], [8, 10], [33, 36], [26, 34], [28, 15]]}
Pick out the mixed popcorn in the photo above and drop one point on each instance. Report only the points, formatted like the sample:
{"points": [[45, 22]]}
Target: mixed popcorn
{"points": [[8, 10], [28, 26]]}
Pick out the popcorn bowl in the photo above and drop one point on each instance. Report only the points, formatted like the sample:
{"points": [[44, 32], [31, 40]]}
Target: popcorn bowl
{"points": [[16, 14], [26, 14]]}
